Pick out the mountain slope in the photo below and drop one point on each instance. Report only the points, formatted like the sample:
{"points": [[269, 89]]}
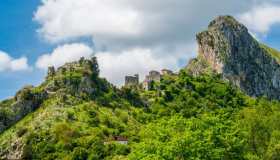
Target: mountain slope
{"points": [[79, 107], [197, 114], [228, 48], [184, 117]]}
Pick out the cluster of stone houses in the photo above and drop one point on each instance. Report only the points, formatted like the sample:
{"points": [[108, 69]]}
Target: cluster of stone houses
{"points": [[153, 76]]}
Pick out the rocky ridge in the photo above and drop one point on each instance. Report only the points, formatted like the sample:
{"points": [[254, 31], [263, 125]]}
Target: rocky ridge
{"points": [[227, 48], [77, 78]]}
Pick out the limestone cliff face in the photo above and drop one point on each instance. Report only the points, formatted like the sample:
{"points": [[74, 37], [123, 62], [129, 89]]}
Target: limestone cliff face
{"points": [[228, 49]]}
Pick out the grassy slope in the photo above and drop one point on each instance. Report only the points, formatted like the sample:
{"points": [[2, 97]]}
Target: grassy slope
{"points": [[273, 52]]}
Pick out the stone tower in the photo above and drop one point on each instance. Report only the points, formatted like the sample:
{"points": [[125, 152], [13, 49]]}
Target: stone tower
{"points": [[51, 71]]}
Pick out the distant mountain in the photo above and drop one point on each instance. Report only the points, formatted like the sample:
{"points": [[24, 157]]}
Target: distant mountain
{"points": [[203, 112], [228, 48]]}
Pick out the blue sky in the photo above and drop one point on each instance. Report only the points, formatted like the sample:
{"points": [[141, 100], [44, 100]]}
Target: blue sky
{"points": [[18, 37], [63, 30], [18, 30]]}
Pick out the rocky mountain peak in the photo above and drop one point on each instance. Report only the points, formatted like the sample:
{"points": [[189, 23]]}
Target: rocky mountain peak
{"points": [[227, 48], [225, 23]]}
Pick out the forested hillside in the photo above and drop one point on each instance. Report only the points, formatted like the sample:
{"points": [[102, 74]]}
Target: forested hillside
{"points": [[195, 114], [183, 117]]}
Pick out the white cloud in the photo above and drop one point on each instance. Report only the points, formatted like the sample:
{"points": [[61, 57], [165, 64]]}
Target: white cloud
{"points": [[64, 19], [260, 18], [19, 64], [7, 63], [124, 23], [135, 61], [63, 54], [127, 24]]}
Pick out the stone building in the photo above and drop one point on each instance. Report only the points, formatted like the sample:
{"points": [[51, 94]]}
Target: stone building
{"points": [[121, 140], [131, 80], [117, 139], [51, 72], [154, 76]]}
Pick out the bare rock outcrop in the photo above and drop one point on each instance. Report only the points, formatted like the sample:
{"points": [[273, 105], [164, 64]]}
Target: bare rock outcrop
{"points": [[227, 48]]}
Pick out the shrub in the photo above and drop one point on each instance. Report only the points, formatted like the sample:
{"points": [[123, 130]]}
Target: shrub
{"points": [[80, 154]]}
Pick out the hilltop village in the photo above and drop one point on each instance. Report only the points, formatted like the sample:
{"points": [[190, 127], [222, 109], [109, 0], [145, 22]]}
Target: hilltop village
{"points": [[153, 76]]}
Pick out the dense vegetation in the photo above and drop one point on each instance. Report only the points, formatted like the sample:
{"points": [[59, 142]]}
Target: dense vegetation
{"points": [[183, 117]]}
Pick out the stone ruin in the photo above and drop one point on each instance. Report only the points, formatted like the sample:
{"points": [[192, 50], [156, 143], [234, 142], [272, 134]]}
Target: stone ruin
{"points": [[153, 76], [132, 80], [51, 71]]}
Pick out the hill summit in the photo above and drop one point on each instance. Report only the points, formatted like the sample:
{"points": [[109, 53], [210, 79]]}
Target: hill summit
{"points": [[227, 48]]}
